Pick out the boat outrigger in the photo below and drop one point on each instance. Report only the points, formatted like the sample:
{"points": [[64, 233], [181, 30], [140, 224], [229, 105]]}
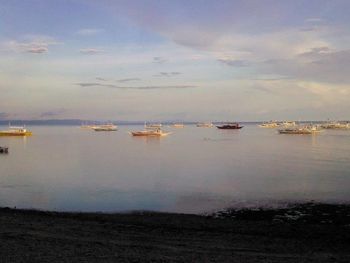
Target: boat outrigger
{"points": [[16, 131]]}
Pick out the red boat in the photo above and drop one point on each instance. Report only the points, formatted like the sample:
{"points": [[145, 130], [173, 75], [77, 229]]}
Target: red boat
{"points": [[230, 126]]}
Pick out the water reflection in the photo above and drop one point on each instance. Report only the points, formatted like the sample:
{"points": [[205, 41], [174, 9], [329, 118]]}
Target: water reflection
{"points": [[192, 170]]}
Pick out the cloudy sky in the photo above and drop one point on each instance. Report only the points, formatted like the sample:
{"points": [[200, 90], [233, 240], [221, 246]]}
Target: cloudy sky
{"points": [[175, 60]]}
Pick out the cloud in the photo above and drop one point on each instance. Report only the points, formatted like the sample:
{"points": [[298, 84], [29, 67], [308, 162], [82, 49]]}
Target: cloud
{"points": [[159, 60], [167, 74], [101, 79], [91, 51], [34, 46], [89, 31], [93, 84], [319, 64], [234, 62]]}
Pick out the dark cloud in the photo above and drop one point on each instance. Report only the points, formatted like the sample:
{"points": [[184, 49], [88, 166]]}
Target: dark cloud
{"points": [[167, 74], [129, 79], [234, 62], [159, 60], [134, 87], [101, 79], [90, 51]]}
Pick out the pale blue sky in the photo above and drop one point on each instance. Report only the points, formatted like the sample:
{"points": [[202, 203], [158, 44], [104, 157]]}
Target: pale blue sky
{"points": [[184, 60]]}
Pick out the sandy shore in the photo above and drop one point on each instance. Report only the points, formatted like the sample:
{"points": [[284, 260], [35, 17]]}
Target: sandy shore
{"points": [[302, 234]]}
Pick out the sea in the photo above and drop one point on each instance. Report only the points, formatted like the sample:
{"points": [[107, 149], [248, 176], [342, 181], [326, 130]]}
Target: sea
{"points": [[192, 170]]}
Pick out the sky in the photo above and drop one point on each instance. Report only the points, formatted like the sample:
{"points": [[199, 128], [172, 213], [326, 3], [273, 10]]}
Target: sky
{"points": [[244, 60]]}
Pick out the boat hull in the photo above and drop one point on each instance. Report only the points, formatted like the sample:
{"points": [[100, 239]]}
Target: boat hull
{"points": [[4, 133]]}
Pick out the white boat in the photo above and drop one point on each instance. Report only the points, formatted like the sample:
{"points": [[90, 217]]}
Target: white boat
{"points": [[178, 125], [105, 127], [270, 124], [336, 125], [153, 126], [16, 131], [309, 129], [289, 124], [205, 125], [155, 132]]}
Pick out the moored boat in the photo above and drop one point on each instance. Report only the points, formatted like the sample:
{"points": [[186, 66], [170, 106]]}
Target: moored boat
{"points": [[155, 132], [16, 131], [336, 125], [270, 124], [205, 125], [230, 126], [300, 130], [105, 127], [178, 125]]}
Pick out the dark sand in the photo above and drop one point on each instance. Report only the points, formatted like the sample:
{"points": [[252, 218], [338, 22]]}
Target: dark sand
{"points": [[307, 233]]}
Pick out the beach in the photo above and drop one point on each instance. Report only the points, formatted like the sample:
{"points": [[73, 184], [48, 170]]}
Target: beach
{"points": [[307, 233]]}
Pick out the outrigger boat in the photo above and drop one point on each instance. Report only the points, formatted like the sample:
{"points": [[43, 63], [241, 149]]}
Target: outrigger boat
{"points": [[230, 126], [156, 132], [300, 130], [205, 125], [16, 131], [178, 125], [336, 125], [153, 126], [105, 127], [270, 124]]}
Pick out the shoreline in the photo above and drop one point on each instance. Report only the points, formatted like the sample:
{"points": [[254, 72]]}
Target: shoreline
{"points": [[309, 232]]}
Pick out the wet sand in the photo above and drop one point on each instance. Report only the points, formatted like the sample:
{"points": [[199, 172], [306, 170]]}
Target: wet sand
{"points": [[306, 233]]}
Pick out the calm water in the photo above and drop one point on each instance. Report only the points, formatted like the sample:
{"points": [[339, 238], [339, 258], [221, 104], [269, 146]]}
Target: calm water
{"points": [[193, 170]]}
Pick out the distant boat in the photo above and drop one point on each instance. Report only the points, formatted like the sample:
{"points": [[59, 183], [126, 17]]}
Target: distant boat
{"points": [[153, 125], [300, 130], [105, 127], [336, 125], [178, 125], [270, 124], [205, 125], [288, 124], [16, 131], [155, 132], [230, 126]]}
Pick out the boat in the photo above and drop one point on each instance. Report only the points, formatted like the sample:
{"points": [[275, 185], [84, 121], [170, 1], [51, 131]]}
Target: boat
{"points": [[336, 125], [153, 126], [230, 126], [155, 132], [288, 124], [205, 125], [309, 129], [16, 131], [270, 124], [178, 125], [105, 127]]}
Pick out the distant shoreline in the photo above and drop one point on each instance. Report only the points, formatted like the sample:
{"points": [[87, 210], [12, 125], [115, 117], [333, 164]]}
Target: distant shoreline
{"points": [[78, 122], [248, 235]]}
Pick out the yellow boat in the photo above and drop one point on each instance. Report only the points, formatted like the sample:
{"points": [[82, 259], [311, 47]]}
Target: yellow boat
{"points": [[16, 131]]}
